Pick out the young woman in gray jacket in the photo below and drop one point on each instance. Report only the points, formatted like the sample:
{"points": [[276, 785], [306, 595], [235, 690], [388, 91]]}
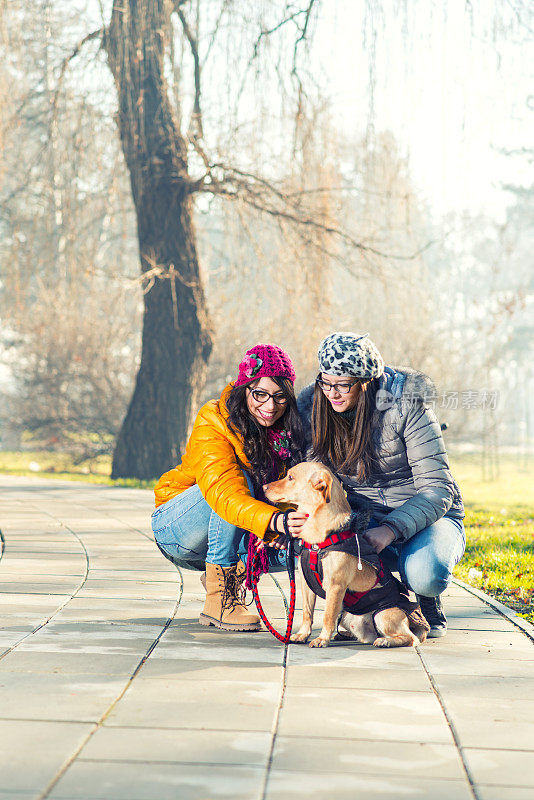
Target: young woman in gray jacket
{"points": [[373, 426]]}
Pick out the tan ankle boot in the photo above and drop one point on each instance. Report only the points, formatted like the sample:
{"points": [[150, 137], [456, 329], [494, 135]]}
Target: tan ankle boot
{"points": [[224, 606], [241, 573]]}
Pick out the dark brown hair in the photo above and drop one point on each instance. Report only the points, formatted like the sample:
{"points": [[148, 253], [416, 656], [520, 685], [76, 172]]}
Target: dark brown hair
{"points": [[254, 436], [345, 443]]}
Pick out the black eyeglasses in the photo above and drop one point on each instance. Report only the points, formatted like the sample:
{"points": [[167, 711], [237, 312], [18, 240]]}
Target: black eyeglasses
{"points": [[342, 388], [261, 396]]}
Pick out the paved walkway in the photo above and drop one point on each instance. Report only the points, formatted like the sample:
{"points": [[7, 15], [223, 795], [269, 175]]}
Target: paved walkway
{"points": [[110, 689]]}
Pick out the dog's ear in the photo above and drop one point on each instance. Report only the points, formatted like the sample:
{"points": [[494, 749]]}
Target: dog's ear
{"points": [[322, 481]]}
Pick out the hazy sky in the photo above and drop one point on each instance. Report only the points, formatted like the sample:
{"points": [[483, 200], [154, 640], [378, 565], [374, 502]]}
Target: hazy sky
{"points": [[451, 83], [451, 95]]}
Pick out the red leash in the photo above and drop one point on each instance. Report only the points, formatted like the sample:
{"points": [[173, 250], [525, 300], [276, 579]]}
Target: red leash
{"points": [[290, 558]]}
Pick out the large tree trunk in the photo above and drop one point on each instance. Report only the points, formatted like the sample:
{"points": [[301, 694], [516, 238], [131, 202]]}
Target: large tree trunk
{"points": [[176, 334]]}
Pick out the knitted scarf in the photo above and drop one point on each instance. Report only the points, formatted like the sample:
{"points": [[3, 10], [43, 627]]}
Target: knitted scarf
{"points": [[279, 444]]}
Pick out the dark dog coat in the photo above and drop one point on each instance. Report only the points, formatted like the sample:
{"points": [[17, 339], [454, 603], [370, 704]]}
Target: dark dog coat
{"points": [[387, 592]]}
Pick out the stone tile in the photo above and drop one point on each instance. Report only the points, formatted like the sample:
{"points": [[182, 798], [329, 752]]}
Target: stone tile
{"points": [[39, 604], [227, 650], [114, 781], [9, 639], [205, 704], [26, 554], [61, 663], [333, 786], [91, 649], [521, 648], [131, 614], [156, 562], [131, 589], [57, 697], [466, 610], [55, 560], [354, 655], [460, 664], [114, 605], [249, 748], [492, 709], [16, 580], [503, 793], [121, 573], [498, 766], [363, 714], [305, 754], [207, 670], [34, 567], [468, 600], [19, 620], [57, 587], [495, 734], [334, 676], [32, 752], [100, 630], [31, 549], [473, 687], [506, 638]]}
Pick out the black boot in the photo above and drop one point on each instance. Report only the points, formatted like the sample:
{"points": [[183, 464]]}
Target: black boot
{"points": [[433, 613]]}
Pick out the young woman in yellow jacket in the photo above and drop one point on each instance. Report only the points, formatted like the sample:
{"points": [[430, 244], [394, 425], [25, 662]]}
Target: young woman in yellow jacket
{"points": [[208, 503]]}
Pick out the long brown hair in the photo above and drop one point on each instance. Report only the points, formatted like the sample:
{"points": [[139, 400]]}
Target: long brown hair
{"points": [[345, 444], [254, 436]]}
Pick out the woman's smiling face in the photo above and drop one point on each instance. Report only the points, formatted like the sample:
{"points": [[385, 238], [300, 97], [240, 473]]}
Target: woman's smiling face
{"points": [[339, 400], [266, 411]]}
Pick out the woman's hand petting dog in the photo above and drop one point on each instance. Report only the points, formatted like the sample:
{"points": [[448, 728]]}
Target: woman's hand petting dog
{"points": [[295, 521], [379, 537]]}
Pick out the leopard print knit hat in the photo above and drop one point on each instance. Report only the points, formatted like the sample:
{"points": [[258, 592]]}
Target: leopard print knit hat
{"points": [[350, 354]]}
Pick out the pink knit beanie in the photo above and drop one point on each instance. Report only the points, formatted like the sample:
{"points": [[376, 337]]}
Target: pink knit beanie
{"points": [[265, 361]]}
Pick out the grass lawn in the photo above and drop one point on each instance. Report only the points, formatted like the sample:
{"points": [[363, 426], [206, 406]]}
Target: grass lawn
{"points": [[499, 558], [44, 464]]}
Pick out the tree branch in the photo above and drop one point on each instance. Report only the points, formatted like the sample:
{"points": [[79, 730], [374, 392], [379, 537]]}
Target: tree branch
{"points": [[66, 61], [196, 116], [303, 32], [264, 33], [291, 212], [262, 195]]}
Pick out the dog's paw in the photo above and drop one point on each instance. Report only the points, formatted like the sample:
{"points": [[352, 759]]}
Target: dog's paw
{"points": [[382, 641], [300, 638], [318, 642]]}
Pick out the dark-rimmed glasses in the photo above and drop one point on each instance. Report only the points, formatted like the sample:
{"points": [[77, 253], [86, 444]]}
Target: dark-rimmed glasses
{"points": [[261, 396], [341, 388]]}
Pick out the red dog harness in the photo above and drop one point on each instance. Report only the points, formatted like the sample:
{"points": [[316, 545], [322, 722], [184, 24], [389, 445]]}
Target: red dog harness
{"points": [[386, 592], [313, 562]]}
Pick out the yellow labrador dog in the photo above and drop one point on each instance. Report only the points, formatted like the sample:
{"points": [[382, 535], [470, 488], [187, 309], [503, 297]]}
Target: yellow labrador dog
{"points": [[339, 565]]}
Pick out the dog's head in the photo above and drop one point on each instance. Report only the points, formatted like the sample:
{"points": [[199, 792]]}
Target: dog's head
{"points": [[313, 489]]}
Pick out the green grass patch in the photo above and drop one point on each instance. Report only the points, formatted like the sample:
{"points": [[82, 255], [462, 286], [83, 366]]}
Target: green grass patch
{"points": [[48, 464], [499, 556]]}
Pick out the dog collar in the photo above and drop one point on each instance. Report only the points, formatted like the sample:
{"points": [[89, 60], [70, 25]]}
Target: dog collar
{"points": [[334, 538]]}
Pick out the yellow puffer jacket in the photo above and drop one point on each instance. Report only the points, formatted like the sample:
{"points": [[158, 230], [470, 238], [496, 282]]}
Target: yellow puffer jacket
{"points": [[210, 461]]}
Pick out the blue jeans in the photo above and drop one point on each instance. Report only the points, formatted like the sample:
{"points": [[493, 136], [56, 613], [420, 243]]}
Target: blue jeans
{"points": [[426, 561], [188, 532]]}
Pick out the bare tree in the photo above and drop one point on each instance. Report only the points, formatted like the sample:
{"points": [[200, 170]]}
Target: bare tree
{"points": [[177, 336], [176, 330]]}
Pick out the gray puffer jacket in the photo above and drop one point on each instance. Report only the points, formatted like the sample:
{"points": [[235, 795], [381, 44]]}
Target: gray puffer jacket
{"points": [[412, 487]]}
